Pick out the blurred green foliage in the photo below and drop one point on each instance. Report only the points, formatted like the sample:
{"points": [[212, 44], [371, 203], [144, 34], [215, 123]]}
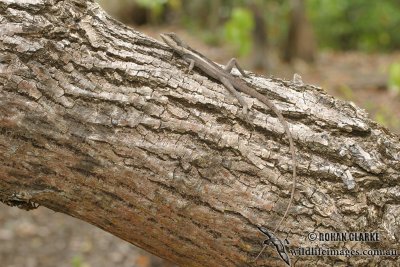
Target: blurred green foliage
{"points": [[156, 8], [238, 30], [394, 78], [77, 261], [338, 24], [386, 117], [356, 24], [151, 3], [154, 5], [383, 115], [232, 21], [346, 92]]}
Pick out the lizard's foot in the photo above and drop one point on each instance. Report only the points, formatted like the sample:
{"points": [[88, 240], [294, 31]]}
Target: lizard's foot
{"points": [[245, 110], [245, 114]]}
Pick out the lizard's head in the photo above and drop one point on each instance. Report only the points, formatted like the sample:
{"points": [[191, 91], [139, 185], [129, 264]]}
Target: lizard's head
{"points": [[173, 41]]}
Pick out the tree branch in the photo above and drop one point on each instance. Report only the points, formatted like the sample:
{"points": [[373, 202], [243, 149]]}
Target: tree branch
{"points": [[102, 123]]}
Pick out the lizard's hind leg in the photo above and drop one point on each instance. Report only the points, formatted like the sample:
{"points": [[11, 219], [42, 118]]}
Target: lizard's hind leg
{"points": [[233, 62]]}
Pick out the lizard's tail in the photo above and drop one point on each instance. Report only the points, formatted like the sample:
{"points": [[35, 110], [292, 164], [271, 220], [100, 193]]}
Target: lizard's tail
{"points": [[282, 120], [262, 250], [294, 163]]}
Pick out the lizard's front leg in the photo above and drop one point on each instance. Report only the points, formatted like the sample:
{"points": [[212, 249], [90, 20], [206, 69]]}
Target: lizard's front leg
{"points": [[234, 92], [191, 65], [233, 62]]}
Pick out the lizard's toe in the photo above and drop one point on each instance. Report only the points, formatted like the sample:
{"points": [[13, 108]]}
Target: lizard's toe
{"points": [[245, 110]]}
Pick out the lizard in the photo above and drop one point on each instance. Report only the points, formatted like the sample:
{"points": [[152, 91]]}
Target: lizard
{"points": [[233, 84]]}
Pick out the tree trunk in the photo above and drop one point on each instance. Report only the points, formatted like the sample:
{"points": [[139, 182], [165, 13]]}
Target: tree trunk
{"points": [[300, 41], [104, 124], [261, 48]]}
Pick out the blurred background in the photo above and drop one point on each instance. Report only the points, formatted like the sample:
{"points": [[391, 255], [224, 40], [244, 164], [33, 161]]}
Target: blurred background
{"points": [[349, 48]]}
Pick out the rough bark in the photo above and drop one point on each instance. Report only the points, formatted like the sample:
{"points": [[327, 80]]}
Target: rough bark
{"points": [[102, 123]]}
